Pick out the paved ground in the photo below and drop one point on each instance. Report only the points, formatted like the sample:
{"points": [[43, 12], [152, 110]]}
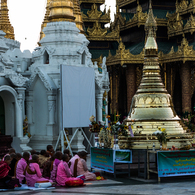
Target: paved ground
{"points": [[123, 186]]}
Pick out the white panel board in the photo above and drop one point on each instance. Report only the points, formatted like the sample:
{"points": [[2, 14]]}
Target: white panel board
{"points": [[78, 95]]}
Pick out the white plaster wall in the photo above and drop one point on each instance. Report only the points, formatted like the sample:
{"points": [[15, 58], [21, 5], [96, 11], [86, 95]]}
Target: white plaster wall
{"points": [[40, 109]]}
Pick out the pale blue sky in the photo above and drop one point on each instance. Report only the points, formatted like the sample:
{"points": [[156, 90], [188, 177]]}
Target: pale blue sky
{"points": [[26, 17]]}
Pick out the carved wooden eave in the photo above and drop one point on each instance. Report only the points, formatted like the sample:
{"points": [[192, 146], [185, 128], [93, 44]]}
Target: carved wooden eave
{"points": [[98, 34], [184, 53], [92, 1], [139, 19], [96, 16], [118, 20], [185, 7], [174, 24], [190, 25], [176, 27], [123, 56], [122, 3]]}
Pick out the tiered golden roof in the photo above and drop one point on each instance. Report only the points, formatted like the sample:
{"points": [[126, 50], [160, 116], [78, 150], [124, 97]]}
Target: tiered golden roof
{"points": [[5, 25]]}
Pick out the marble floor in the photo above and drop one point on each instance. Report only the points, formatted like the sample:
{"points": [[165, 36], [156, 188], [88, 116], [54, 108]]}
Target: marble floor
{"points": [[122, 186]]}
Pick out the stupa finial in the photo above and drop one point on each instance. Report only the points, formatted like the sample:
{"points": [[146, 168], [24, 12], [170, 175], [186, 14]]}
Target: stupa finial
{"points": [[5, 25], [61, 10], [150, 22]]}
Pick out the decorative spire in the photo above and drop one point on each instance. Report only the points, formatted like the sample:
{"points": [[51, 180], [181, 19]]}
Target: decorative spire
{"points": [[46, 19], [61, 10], [77, 15], [150, 22], [5, 25]]}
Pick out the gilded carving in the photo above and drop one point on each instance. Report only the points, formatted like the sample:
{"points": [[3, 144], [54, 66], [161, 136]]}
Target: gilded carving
{"points": [[183, 5], [139, 15], [174, 25], [94, 13], [97, 30], [190, 25]]}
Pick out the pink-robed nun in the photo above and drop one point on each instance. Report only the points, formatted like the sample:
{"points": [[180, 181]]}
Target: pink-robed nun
{"points": [[33, 172], [63, 172], [21, 166]]}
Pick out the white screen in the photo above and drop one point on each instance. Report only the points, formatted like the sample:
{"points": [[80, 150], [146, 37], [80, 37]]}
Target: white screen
{"points": [[78, 95]]}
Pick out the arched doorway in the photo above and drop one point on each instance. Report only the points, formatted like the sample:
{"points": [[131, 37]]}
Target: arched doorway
{"points": [[2, 117], [8, 98]]}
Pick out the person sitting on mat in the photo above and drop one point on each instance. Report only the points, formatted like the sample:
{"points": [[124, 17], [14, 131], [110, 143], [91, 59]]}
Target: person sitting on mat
{"points": [[56, 162], [6, 181], [33, 172], [21, 166], [63, 172], [15, 158], [82, 167]]}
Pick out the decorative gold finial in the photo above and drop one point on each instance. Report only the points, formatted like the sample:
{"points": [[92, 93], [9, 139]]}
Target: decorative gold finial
{"points": [[61, 10], [150, 22], [46, 20], [77, 15], [5, 25]]}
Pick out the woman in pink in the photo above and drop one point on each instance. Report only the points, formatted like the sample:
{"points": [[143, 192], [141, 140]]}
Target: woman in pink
{"points": [[21, 166], [33, 172], [63, 172], [73, 164], [56, 162], [82, 167]]}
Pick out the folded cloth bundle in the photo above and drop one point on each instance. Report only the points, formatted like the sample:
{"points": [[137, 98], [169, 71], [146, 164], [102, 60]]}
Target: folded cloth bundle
{"points": [[43, 185], [73, 182]]}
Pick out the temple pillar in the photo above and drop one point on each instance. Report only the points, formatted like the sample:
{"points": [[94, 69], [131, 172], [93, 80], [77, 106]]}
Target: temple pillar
{"points": [[114, 85], [131, 84], [99, 106], [29, 107], [186, 87], [51, 101], [19, 141], [19, 117]]}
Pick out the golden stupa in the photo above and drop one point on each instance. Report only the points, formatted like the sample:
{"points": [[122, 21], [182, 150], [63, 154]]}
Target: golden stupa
{"points": [[5, 25], [152, 105], [61, 10]]}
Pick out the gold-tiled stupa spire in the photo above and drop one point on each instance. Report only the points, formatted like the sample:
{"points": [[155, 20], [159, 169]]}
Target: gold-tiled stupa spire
{"points": [[61, 10], [46, 19], [5, 25], [77, 15]]}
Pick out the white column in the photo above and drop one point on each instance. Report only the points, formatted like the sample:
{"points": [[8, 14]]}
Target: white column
{"points": [[22, 92], [51, 109], [19, 118], [29, 108], [51, 100], [99, 99]]}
